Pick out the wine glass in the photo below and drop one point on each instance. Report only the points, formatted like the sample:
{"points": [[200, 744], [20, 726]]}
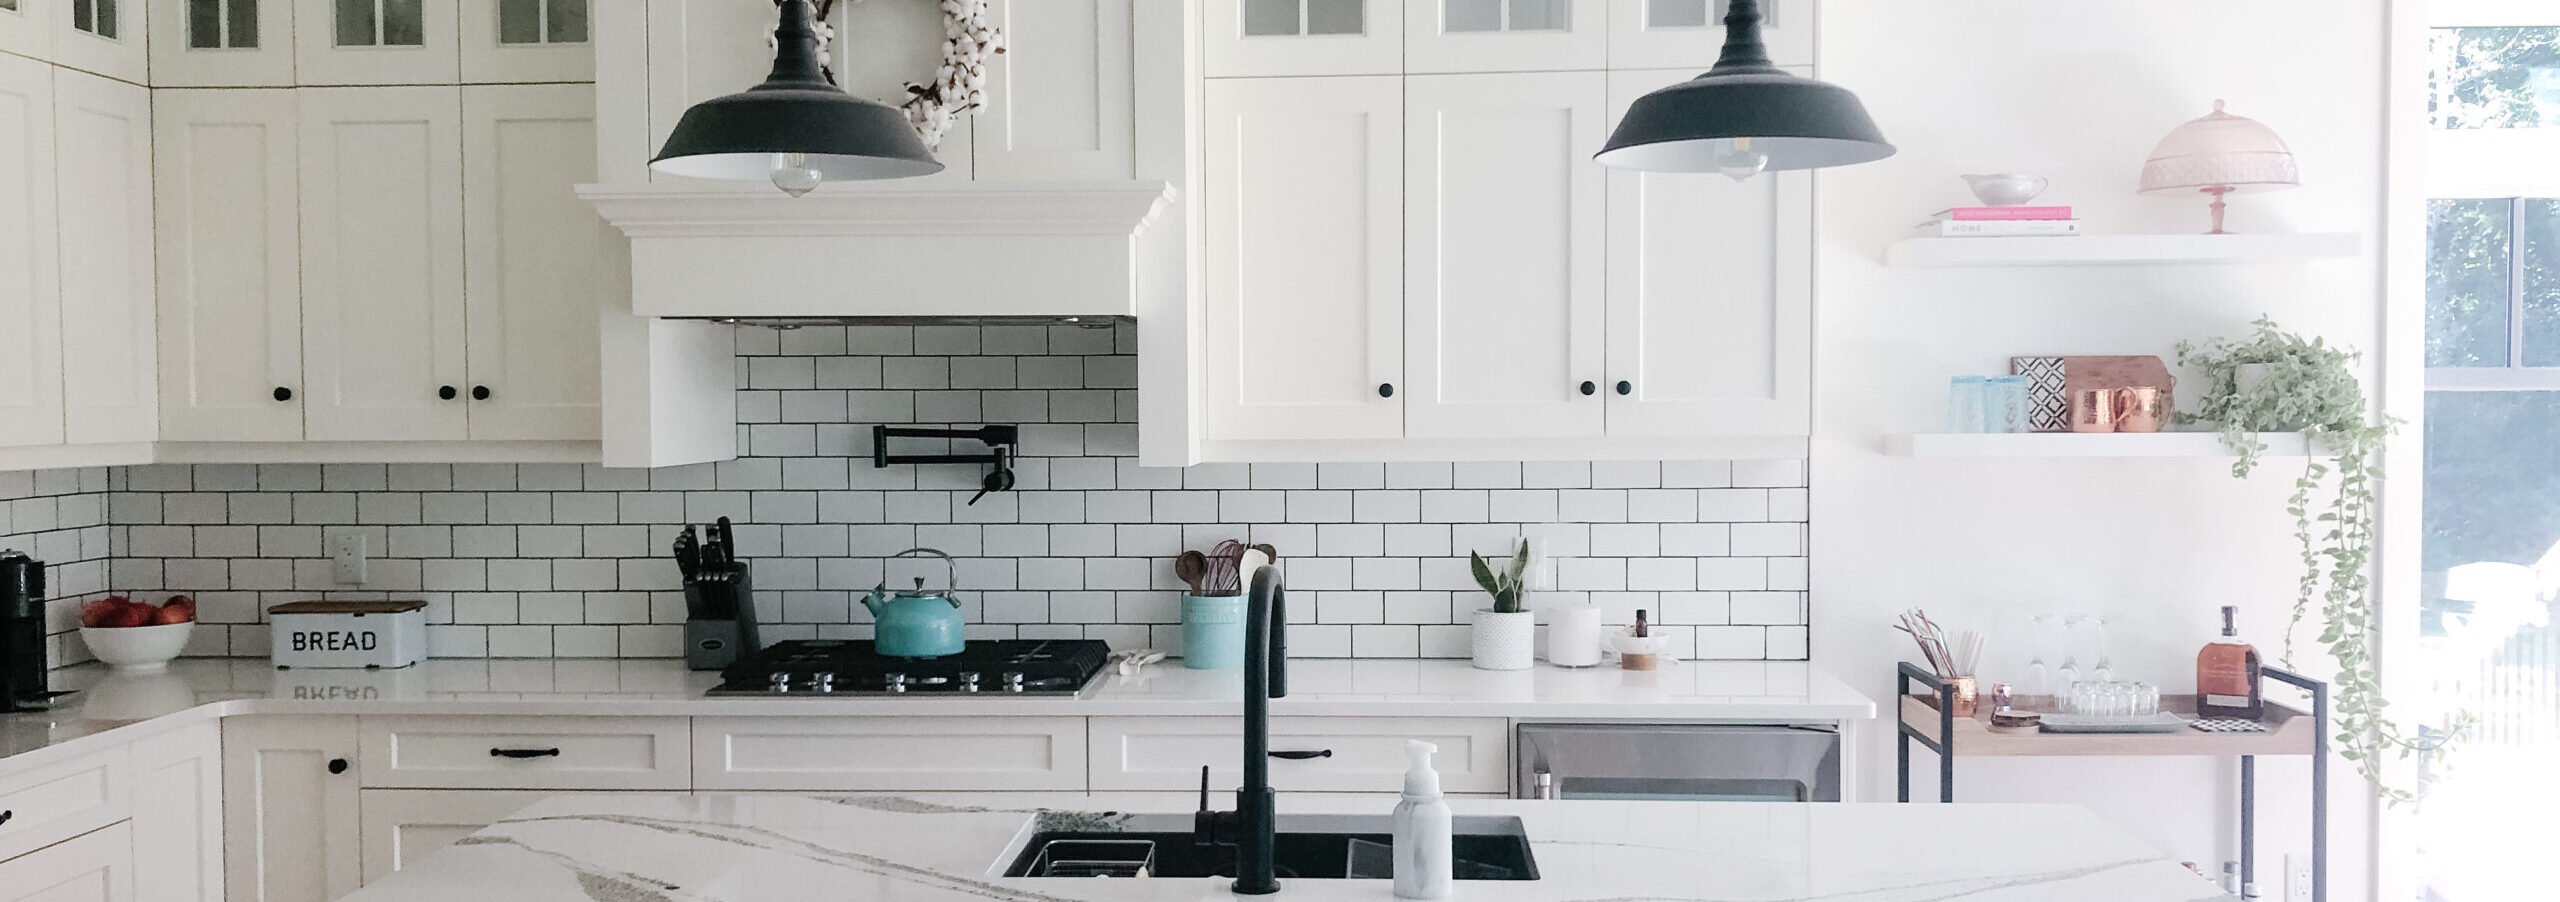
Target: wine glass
{"points": [[2070, 672], [2039, 673], [2106, 668]]}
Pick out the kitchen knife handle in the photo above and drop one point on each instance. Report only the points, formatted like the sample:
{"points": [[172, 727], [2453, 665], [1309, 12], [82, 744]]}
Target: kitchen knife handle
{"points": [[1303, 755], [524, 753]]}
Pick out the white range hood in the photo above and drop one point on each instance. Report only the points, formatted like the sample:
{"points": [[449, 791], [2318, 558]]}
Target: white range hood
{"points": [[916, 251]]}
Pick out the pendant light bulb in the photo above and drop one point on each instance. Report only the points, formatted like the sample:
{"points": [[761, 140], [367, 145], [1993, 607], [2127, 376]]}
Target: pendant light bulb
{"points": [[1737, 161], [793, 174]]}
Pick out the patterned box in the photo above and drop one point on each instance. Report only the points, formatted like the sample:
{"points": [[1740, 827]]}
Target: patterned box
{"points": [[2048, 406]]}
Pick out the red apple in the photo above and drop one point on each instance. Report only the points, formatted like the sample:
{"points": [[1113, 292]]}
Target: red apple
{"points": [[180, 601], [172, 614], [127, 615]]}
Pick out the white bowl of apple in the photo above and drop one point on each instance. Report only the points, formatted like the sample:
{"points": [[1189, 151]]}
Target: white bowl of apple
{"points": [[137, 636]]}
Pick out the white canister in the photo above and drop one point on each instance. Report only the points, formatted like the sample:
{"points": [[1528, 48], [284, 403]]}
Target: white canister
{"points": [[1573, 635], [379, 634]]}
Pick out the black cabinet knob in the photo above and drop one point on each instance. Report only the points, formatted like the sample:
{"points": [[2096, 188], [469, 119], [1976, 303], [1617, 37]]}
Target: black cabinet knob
{"points": [[1625, 387], [337, 765], [447, 393], [1386, 389], [479, 393], [1588, 388], [283, 393], [6, 815]]}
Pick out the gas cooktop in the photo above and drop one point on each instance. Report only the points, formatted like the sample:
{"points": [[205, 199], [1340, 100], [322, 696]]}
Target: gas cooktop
{"points": [[816, 667]]}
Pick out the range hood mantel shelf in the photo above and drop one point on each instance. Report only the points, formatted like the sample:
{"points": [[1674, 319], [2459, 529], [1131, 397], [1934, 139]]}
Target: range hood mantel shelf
{"points": [[1000, 249]]}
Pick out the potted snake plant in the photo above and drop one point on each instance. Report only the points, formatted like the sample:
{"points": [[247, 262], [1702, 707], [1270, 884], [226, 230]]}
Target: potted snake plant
{"points": [[1506, 633]]}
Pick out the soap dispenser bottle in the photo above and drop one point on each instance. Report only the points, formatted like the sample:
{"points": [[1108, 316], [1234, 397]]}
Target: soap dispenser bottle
{"points": [[1424, 855]]}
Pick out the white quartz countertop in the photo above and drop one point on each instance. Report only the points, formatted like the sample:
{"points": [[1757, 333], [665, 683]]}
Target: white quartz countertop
{"points": [[781, 848], [204, 688]]}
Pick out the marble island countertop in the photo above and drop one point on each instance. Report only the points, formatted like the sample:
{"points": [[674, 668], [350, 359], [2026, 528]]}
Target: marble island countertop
{"points": [[781, 848], [193, 689]]}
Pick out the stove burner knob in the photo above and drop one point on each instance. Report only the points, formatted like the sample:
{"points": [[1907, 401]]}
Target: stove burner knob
{"points": [[781, 681], [896, 682], [1013, 681], [968, 681], [826, 680]]}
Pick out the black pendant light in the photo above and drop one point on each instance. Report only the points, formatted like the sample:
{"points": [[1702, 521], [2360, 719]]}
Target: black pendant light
{"points": [[797, 129], [1744, 116]]}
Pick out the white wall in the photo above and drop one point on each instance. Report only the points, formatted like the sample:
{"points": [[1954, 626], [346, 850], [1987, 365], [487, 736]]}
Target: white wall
{"points": [[2079, 92]]}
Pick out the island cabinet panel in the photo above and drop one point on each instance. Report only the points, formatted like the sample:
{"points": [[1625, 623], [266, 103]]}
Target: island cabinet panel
{"points": [[230, 278], [30, 290], [102, 138], [177, 827], [289, 814], [1165, 753], [527, 752], [994, 754], [404, 825], [95, 867], [55, 803]]}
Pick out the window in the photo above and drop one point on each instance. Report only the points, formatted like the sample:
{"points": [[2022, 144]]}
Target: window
{"points": [[2489, 551], [96, 17], [542, 21], [219, 24], [381, 23], [1264, 18]]}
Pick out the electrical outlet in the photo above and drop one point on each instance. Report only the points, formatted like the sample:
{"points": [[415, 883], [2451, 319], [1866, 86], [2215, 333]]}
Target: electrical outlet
{"points": [[346, 558], [2297, 878]]}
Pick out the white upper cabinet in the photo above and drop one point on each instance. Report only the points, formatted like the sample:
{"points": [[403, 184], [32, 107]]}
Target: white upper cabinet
{"points": [[1302, 317], [102, 142], [1710, 297], [1503, 288], [376, 42], [1060, 99], [1504, 35], [1686, 34], [30, 286], [221, 43], [526, 41], [530, 265], [230, 287], [26, 27], [1302, 37], [100, 36], [382, 270]]}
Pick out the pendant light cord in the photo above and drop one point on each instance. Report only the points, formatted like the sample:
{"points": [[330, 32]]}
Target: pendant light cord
{"points": [[1743, 51]]}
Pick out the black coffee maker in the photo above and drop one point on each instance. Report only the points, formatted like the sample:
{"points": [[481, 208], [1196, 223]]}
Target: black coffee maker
{"points": [[23, 672]]}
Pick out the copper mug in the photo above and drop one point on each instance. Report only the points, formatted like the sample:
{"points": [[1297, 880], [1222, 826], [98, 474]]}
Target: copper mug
{"points": [[2140, 408], [2093, 410]]}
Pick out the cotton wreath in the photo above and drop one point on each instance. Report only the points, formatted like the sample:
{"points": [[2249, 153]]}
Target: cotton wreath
{"points": [[969, 41]]}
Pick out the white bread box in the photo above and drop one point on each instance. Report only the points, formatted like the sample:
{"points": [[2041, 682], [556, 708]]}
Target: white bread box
{"points": [[372, 634]]}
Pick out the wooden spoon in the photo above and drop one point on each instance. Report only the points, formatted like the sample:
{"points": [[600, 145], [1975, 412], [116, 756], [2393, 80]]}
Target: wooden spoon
{"points": [[1191, 566]]}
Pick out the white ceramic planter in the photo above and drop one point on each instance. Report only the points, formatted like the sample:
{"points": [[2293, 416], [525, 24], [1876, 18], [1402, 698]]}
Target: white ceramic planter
{"points": [[1505, 641]]}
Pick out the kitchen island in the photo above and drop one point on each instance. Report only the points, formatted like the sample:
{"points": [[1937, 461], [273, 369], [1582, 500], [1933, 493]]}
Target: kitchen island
{"points": [[786, 848]]}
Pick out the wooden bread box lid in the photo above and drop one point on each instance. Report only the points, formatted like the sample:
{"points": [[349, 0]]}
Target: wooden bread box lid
{"points": [[358, 608]]}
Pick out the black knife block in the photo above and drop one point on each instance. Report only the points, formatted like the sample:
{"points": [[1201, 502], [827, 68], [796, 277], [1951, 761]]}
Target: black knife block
{"points": [[720, 617]]}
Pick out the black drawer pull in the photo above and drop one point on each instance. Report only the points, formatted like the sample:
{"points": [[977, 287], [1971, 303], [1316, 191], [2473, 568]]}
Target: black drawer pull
{"points": [[1303, 755], [524, 753], [6, 815], [337, 765]]}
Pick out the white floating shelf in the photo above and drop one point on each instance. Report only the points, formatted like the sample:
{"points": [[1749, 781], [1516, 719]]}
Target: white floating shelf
{"points": [[2088, 250], [2078, 444]]}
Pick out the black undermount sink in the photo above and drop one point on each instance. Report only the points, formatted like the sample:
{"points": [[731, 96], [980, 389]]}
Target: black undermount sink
{"points": [[1307, 847]]}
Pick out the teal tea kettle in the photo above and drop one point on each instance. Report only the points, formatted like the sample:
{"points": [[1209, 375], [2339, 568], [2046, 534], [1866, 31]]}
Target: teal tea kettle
{"points": [[917, 623]]}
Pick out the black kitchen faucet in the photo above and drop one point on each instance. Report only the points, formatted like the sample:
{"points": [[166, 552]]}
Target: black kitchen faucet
{"points": [[1266, 676]]}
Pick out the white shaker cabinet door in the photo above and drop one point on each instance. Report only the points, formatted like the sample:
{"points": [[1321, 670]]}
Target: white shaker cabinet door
{"points": [[102, 37], [1688, 34], [1301, 37], [94, 867], [382, 273], [1503, 254], [532, 261], [102, 150], [526, 41], [1061, 97], [376, 42], [221, 43], [1505, 35], [30, 284], [289, 808], [177, 827], [230, 282], [1303, 316], [1710, 297]]}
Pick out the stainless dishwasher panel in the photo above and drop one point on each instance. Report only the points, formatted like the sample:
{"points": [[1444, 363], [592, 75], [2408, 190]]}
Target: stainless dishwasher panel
{"points": [[1757, 763]]}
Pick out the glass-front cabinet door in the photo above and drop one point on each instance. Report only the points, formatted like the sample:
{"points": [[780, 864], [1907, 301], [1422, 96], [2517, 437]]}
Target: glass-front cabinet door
{"points": [[376, 42], [26, 28], [1303, 37], [1504, 35], [1686, 34], [100, 36], [526, 41], [221, 43]]}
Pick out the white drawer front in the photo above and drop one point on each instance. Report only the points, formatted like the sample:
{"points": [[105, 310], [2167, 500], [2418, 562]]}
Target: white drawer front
{"points": [[1161, 753], [526, 753], [889, 754], [51, 804]]}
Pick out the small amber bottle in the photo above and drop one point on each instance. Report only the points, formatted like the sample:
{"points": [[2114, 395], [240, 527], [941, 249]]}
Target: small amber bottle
{"points": [[2227, 674]]}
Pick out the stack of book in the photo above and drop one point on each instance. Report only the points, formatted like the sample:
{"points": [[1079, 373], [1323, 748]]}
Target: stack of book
{"points": [[2000, 222]]}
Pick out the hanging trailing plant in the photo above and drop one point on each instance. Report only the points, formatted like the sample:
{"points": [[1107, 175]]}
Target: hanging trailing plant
{"points": [[2276, 381]]}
